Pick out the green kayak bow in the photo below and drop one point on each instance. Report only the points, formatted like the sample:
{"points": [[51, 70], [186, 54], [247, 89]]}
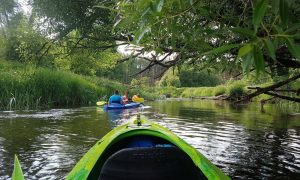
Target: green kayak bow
{"points": [[141, 149]]}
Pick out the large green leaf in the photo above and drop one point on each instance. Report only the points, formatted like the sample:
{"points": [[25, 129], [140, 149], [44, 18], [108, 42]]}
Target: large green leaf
{"points": [[160, 5], [146, 11], [140, 34], [296, 36], [259, 60], [275, 6], [105, 7], [153, 6], [271, 49], [293, 48], [245, 50], [17, 173], [222, 49], [243, 32], [293, 28], [259, 11], [247, 62], [278, 29], [284, 12]]}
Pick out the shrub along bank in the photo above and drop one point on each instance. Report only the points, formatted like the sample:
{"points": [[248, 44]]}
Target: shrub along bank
{"points": [[232, 89], [236, 89], [27, 87]]}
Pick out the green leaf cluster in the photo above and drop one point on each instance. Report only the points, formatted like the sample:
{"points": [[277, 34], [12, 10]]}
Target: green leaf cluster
{"points": [[220, 34]]}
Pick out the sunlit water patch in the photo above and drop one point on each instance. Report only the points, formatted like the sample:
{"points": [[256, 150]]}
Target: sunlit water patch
{"points": [[245, 143]]}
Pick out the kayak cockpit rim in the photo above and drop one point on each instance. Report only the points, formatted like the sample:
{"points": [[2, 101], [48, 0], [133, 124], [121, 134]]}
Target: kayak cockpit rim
{"points": [[117, 142], [84, 168]]}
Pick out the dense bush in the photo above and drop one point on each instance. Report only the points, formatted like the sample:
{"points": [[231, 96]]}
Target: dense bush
{"points": [[236, 89], [188, 77], [142, 82], [194, 78], [170, 79]]}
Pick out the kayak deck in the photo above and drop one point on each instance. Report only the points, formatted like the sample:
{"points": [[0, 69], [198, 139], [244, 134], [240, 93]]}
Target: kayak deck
{"points": [[147, 158], [141, 149], [121, 106]]}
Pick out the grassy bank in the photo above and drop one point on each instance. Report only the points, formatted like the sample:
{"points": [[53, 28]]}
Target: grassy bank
{"points": [[27, 87], [229, 89], [237, 88]]}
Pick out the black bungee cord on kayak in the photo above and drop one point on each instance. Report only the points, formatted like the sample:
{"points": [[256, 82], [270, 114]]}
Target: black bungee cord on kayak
{"points": [[139, 122]]}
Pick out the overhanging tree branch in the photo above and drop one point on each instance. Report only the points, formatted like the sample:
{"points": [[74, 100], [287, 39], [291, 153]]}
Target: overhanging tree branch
{"points": [[283, 97], [269, 88]]}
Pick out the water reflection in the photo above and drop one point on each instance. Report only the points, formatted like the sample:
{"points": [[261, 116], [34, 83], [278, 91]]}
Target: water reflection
{"points": [[119, 116], [48, 143], [244, 142]]}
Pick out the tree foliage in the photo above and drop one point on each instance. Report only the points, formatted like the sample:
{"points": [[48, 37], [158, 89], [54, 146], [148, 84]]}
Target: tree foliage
{"points": [[81, 36], [260, 34], [23, 43], [70, 35], [170, 78], [188, 77], [64, 16], [7, 10]]}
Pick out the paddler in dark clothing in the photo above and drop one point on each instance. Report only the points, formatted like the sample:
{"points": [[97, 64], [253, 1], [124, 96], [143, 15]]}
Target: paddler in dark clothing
{"points": [[116, 98]]}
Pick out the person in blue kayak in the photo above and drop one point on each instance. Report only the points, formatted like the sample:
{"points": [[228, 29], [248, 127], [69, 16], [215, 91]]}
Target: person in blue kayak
{"points": [[116, 98], [125, 97]]}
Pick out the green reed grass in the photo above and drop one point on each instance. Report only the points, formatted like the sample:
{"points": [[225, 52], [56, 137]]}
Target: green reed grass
{"points": [[235, 89], [27, 87]]}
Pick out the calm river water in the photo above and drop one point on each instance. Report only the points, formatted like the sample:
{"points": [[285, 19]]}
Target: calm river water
{"points": [[245, 142]]}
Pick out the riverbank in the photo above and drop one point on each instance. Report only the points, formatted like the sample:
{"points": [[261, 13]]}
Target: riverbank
{"points": [[231, 90], [29, 87]]}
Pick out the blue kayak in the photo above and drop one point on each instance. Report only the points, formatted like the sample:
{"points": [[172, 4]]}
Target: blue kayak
{"points": [[121, 106]]}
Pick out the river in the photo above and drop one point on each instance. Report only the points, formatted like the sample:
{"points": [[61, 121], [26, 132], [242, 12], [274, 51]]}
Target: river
{"points": [[244, 141]]}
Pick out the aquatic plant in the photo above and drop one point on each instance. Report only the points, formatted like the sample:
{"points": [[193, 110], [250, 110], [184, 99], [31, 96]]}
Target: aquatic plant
{"points": [[236, 89]]}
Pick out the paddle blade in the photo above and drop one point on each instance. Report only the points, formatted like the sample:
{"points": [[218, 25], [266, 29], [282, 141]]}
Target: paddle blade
{"points": [[17, 173], [146, 107], [138, 100], [101, 103]]}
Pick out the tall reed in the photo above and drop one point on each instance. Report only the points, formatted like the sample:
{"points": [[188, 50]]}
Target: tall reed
{"points": [[27, 87]]}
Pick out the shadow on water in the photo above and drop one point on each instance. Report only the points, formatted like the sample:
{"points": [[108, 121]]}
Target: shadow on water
{"points": [[243, 141]]}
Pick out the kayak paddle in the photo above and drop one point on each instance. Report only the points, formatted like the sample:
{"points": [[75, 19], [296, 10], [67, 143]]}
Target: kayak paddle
{"points": [[101, 103]]}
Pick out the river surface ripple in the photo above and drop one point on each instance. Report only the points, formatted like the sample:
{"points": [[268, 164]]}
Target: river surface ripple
{"points": [[245, 142]]}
